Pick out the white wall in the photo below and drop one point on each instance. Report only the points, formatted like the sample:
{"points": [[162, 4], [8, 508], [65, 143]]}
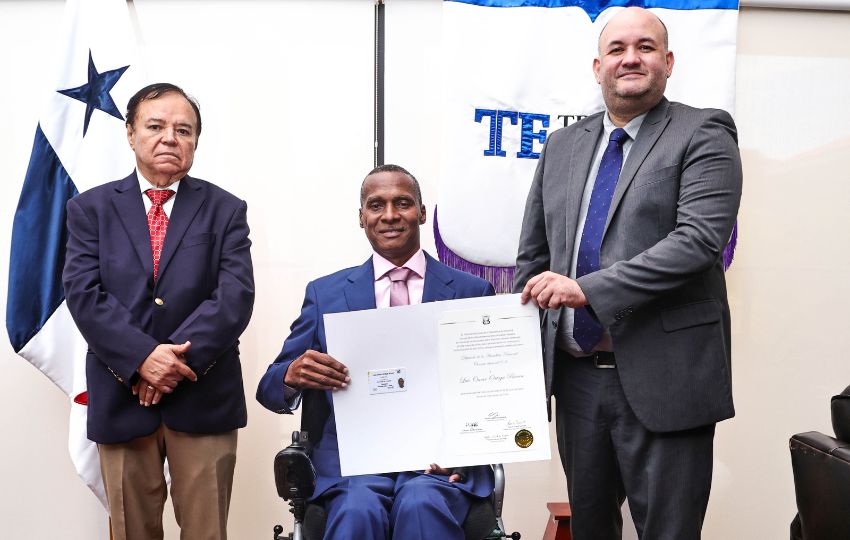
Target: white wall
{"points": [[286, 91]]}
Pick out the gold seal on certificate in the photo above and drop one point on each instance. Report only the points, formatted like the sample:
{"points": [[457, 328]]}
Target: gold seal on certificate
{"points": [[523, 438]]}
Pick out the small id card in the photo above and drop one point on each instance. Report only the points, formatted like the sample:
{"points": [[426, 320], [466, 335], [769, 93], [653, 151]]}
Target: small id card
{"points": [[385, 381]]}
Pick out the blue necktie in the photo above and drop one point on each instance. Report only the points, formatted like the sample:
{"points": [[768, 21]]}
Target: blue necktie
{"points": [[586, 330]]}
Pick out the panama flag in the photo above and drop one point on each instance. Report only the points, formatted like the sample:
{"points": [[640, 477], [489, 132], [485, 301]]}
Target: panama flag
{"points": [[516, 70], [80, 142]]}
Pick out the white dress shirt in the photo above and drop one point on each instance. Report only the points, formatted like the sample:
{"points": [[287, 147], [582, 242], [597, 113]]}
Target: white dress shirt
{"points": [[145, 185], [565, 340]]}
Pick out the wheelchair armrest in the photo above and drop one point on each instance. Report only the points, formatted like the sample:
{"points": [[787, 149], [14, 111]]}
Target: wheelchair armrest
{"points": [[498, 489], [294, 474]]}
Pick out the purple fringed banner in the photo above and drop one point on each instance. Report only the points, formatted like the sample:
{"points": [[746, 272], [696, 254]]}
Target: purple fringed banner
{"points": [[502, 277], [729, 250]]}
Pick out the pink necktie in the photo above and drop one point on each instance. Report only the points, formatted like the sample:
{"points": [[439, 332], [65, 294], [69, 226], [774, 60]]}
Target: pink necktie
{"points": [[398, 289], [157, 222]]}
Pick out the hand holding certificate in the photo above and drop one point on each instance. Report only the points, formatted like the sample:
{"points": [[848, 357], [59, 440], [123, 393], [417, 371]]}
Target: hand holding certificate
{"points": [[458, 382]]}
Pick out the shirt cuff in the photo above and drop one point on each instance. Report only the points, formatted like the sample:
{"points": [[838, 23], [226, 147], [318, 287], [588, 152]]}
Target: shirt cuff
{"points": [[292, 396]]}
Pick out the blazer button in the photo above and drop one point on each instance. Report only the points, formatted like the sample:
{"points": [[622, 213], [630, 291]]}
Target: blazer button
{"points": [[159, 301], [554, 324]]}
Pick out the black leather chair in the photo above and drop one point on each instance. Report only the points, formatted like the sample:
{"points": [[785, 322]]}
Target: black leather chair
{"points": [[295, 478], [822, 478]]}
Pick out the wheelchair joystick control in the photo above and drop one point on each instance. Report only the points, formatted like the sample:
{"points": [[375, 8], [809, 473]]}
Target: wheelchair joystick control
{"points": [[294, 474]]}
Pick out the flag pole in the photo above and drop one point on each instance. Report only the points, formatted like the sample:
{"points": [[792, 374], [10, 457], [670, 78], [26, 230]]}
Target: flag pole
{"points": [[134, 21], [379, 83]]}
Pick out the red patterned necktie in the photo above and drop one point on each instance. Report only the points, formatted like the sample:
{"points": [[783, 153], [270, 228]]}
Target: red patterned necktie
{"points": [[157, 222]]}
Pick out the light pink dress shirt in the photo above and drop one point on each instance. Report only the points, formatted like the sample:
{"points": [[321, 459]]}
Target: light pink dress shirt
{"points": [[415, 283]]}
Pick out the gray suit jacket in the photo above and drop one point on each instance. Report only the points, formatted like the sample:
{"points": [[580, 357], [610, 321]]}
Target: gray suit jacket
{"points": [[661, 290]]}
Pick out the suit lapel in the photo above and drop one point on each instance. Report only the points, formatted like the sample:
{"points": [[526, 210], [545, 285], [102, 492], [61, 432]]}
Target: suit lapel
{"points": [[186, 204], [437, 282], [582, 158], [360, 290], [131, 211], [651, 129]]}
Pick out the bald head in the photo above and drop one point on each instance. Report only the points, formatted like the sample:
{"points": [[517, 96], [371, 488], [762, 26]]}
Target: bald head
{"points": [[641, 13], [633, 64]]}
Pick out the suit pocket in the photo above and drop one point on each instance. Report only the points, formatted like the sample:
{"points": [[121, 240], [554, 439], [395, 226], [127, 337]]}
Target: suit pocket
{"points": [[658, 175], [197, 239], [690, 315]]}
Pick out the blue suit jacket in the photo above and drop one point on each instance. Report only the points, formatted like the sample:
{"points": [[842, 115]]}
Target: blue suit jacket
{"points": [[353, 289], [206, 292]]}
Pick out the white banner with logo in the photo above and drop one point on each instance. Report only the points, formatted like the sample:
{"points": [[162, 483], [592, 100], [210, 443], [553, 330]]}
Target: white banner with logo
{"points": [[516, 70]]}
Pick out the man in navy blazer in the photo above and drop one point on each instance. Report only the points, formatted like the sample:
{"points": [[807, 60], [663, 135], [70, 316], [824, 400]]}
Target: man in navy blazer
{"points": [[407, 505], [161, 301]]}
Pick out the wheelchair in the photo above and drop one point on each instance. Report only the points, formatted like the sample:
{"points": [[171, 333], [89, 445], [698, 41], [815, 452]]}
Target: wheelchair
{"points": [[295, 479]]}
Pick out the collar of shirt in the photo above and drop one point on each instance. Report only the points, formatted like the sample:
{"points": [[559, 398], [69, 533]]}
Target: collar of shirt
{"points": [[145, 185], [632, 128], [415, 283]]}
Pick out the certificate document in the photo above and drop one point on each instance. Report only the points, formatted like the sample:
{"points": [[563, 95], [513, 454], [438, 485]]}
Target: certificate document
{"points": [[456, 383]]}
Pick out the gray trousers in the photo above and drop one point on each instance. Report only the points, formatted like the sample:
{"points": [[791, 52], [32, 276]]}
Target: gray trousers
{"points": [[608, 456]]}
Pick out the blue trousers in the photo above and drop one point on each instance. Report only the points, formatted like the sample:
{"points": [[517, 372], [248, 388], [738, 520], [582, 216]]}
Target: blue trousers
{"points": [[397, 507]]}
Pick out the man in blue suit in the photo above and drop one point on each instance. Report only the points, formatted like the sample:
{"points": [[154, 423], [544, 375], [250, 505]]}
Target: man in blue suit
{"points": [[407, 505], [162, 300]]}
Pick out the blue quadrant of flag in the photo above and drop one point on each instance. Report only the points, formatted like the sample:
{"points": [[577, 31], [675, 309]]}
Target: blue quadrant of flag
{"points": [[39, 235]]}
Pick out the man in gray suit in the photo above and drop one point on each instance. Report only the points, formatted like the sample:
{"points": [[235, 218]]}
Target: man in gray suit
{"points": [[621, 248]]}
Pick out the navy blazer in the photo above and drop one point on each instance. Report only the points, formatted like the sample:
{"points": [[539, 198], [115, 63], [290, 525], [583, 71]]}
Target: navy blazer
{"points": [[353, 289], [204, 294]]}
